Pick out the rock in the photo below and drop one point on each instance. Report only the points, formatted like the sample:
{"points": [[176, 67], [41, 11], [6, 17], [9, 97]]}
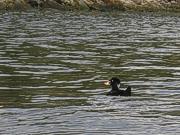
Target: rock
{"points": [[151, 5], [13, 4]]}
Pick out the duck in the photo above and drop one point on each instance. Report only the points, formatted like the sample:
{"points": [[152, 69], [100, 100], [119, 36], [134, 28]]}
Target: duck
{"points": [[115, 83]]}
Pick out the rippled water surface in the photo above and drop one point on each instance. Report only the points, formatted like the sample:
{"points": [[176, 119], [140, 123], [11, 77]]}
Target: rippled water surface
{"points": [[53, 65]]}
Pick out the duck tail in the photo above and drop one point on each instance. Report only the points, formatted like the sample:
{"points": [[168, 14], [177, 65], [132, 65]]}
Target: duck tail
{"points": [[128, 90]]}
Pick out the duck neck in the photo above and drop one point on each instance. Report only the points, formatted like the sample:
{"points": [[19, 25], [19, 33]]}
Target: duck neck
{"points": [[115, 87]]}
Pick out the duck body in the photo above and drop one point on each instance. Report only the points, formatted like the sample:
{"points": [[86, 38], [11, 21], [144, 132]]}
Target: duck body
{"points": [[119, 92], [115, 90]]}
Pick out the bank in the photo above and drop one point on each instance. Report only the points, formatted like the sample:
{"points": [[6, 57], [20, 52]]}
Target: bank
{"points": [[139, 5]]}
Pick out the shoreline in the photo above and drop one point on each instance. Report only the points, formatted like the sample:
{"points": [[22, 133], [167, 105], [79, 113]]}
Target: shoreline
{"points": [[100, 5]]}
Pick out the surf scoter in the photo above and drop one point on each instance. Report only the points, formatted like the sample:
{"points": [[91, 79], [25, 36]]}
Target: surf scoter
{"points": [[115, 91]]}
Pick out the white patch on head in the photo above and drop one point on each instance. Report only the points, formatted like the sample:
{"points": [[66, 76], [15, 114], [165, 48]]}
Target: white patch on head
{"points": [[119, 85]]}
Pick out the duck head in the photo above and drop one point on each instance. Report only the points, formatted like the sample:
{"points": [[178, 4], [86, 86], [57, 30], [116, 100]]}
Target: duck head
{"points": [[114, 82]]}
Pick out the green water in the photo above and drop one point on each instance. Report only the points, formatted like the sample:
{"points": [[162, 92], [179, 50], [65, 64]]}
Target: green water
{"points": [[53, 65]]}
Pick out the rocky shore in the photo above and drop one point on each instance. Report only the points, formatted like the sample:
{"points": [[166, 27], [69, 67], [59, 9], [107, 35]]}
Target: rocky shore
{"points": [[138, 5]]}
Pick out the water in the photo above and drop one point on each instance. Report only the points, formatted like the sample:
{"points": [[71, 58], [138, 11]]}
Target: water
{"points": [[53, 65]]}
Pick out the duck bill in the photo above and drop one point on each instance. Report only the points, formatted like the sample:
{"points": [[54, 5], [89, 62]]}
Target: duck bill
{"points": [[107, 83]]}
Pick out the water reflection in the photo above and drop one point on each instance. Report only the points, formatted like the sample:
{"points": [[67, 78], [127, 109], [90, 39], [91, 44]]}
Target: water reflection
{"points": [[53, 64]]}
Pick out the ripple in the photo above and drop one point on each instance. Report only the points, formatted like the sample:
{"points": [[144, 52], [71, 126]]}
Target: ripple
{"points": [[52, 72]]}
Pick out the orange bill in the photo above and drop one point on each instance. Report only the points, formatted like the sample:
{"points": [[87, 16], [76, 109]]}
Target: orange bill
{"points": [[107, 83]]}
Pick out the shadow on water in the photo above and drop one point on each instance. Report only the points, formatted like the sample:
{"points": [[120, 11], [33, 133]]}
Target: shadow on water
{"points": [[53, 65]]}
